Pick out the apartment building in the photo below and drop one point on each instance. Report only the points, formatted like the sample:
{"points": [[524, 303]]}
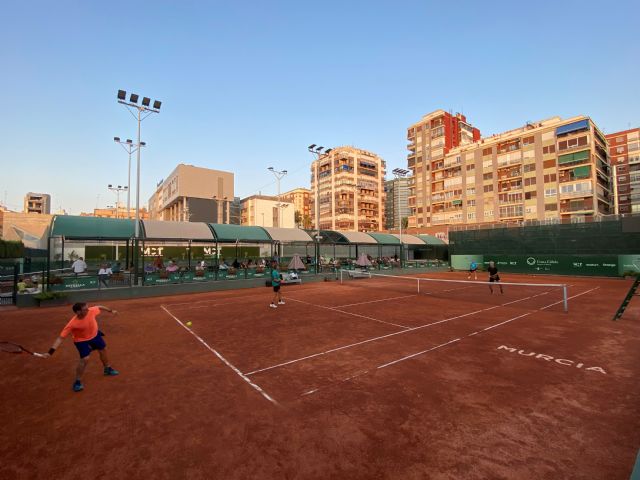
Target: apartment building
{"points": [[300, 198], [624, 151], [193, 194], [397, 201], [37, 203], [349, 183], [548, 170], [266, 211]]}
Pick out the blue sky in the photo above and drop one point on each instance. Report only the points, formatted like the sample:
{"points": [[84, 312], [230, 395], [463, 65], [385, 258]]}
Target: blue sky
{"points": [[248, 85]]}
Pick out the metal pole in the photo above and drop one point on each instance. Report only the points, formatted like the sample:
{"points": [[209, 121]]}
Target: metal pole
{"points": [[129, 185], [137, 226], [565, 300], [616, 207], [278, 222]]}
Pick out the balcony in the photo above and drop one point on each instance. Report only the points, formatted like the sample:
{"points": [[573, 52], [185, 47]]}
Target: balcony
{"points": [[582, 193]]}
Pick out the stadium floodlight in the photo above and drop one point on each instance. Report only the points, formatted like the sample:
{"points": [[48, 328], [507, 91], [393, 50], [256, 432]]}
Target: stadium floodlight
{"points": [[129, 140], [122, 95], [328, 150], [311, 147], [133, 98], [319, 149], [400, 172], [318, 153], [157, 104], [146, 101], [116, 139], [143, 144]]}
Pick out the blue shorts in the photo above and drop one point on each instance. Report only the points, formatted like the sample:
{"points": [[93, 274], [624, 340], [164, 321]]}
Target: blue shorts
{"points": [[96, 343]]}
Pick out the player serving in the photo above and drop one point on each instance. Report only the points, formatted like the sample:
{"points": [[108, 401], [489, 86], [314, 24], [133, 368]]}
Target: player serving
{"points": [[83, 327], [493, 276]]}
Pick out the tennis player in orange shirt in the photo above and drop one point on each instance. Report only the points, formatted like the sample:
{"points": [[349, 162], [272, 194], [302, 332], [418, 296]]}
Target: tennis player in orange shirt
{"points": [[83, 327]]}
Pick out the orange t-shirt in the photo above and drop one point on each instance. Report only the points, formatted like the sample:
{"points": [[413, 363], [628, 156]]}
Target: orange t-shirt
{"points": [[82, 329]]}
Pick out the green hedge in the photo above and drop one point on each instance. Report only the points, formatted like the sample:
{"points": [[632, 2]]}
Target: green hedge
{"points": [[11, 249]]}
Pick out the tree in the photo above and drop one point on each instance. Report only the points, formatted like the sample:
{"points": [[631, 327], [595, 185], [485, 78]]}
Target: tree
{"points": [[306, 221], [405, 222], [297, 218]]}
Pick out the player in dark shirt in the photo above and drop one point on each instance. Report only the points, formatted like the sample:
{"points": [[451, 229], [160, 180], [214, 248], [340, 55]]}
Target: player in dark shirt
{"points": [[493, 276]]}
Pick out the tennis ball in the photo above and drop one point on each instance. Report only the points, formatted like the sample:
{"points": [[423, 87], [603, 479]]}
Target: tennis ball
{"points": [[188, 324]]}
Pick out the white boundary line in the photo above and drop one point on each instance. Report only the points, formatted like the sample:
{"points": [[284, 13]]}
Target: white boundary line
{"points": [[224, 360], [335, 309], [382, 336]]}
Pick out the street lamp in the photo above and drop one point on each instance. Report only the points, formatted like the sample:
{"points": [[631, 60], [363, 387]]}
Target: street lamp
{"points": [[399, 173], [130, 148], [117, 190], [279, 175]]}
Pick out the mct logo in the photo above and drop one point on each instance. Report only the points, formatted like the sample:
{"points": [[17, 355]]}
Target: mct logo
{"points": [[531, 261]]}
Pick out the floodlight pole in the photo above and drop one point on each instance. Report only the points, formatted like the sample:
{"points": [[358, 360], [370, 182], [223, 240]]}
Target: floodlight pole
{"points": [[399, 173], [145, 108], [279, 175], [117, 190], [318, 154], [128, 147]]}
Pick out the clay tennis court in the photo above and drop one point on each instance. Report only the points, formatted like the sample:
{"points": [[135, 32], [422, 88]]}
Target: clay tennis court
{"points": [[357, 380]]}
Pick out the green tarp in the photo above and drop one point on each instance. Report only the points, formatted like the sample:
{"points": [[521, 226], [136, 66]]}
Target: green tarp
{"points": [[240, 233], [69, 226], [385, 238]]}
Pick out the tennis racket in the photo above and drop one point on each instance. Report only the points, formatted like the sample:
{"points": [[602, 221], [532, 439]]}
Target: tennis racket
{"points": [[9, 347]]}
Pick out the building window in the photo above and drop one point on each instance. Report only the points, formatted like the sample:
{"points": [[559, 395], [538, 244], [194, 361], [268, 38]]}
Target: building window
{"points": [[487, 151], [528, 140], [488, 188], [550, 207], [471, 167], [550, 178], [529, 167], [549, 164], [529, 195], [487, 176], [550, 192], [529, 181], [549, 149]]}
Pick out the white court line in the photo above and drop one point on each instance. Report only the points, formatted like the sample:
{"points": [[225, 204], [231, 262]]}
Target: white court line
{"points": [[336, 349], [374, 301], [485, 329], [226, 362], [335, 309]]}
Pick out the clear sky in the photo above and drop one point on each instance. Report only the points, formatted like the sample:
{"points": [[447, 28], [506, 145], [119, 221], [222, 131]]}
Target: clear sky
{"points": [[248, 85]]}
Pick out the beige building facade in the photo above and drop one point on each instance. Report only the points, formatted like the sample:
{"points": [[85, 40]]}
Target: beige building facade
{"points": [[348, 183], [266, 211], [624, 149], [300, 198], [37, 203], [29, 228], [549, 170], [193, 194], [120, 212]]}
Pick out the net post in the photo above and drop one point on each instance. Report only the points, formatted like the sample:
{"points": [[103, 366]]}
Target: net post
{"points": [[565, 300], [340, 276], [418, 284]]}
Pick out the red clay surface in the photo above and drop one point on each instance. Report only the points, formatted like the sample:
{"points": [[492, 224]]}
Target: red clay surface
{"points": [[344, 381]]}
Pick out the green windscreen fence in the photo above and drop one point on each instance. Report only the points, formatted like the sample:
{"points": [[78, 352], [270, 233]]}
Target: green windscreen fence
{"points": [[608, 248]]}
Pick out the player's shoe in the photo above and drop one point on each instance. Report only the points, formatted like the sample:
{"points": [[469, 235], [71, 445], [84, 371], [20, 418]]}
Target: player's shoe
{"points": [[77, 386], [281, 302], [110, 372], [273, 305]]}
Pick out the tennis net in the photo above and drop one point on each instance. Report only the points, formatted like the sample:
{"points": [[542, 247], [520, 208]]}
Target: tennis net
{"points": [[528, 295]]}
